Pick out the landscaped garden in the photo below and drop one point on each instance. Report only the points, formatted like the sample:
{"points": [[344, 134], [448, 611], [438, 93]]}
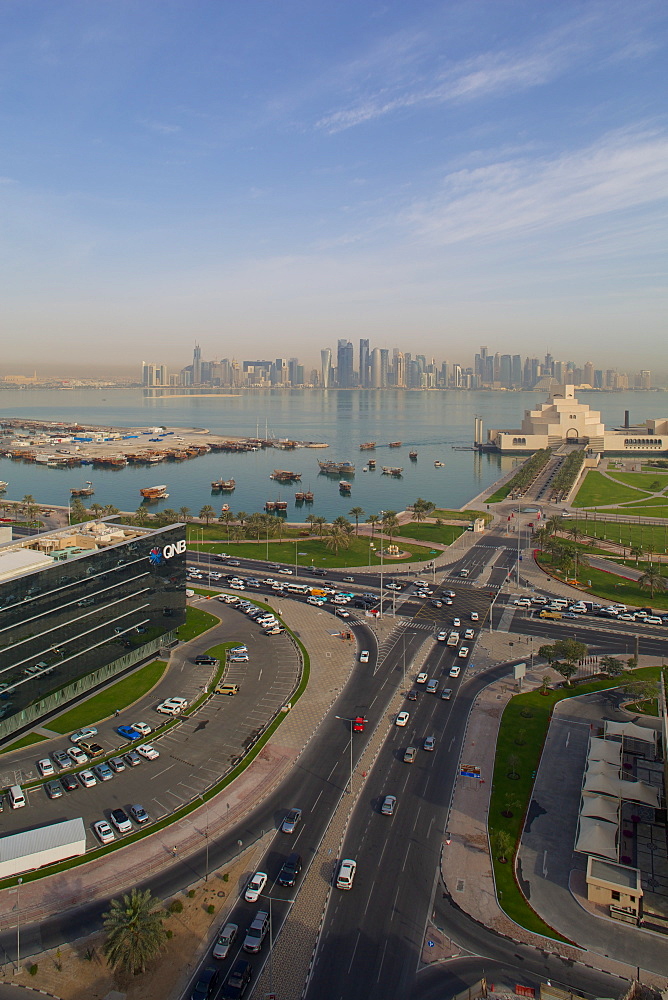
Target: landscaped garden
{"points": [[306, 552], [599, 491]]}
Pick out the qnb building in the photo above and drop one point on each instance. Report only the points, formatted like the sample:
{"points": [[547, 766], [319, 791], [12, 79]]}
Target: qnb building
{"points": [[562, 420], [79, 605]]}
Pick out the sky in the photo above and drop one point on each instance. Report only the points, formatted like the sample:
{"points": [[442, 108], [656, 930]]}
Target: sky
{"points": [[265, 178]]}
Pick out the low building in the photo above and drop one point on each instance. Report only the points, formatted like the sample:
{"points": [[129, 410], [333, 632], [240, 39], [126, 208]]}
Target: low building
{"points": [[563, 420], [79, 605], [617, 887], [45, 845]]}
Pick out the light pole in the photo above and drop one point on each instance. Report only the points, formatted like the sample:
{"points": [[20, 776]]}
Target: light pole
{"points": [[382, 515], [18, 922], [519, 535], [351, 721], [206, 836]]}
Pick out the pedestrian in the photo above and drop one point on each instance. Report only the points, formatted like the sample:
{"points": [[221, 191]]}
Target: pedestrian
{"points": [[174, 852], [117, 712]]}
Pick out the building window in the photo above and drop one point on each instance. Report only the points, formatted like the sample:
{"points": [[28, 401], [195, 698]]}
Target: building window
{"points": [[616, 896]]}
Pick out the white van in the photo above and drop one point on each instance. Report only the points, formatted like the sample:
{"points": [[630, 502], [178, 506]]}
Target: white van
{"points": [[16, 797]]}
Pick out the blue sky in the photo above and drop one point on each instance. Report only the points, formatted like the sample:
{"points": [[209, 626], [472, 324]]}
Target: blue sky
{"points": [[267, 177]]}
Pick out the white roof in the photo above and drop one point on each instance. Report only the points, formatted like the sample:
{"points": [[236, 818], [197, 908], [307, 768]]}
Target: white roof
{"points": [[44, 838], [600, 807], [607, 750], [630, 730], [18, 561], [597, 837]]}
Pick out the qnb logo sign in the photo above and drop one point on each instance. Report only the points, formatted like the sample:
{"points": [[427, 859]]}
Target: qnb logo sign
{"points": [[158, 556]]}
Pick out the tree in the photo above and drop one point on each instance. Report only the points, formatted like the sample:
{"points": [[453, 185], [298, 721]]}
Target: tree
{"points": [[356, 512], [227, 517], [207, 512], [184, 514], [611, 666], [77, 511], [373, 520], [636, 552], [134, 931], [502, 845], [109, 509], [140, 516], [320, 522], [652, 580], [96, 509], [554, 524], [242, 516], [422, 508], [390, 523], [510, 803], [343, 523], [169, 516], [513, 761], [566, 670], [540, 537], [337, 538], [563, 655], [545, 684]]}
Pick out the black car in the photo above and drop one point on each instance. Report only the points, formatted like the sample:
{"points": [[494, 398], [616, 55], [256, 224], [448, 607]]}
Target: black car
{"points": [[206, 984], [291, 869], [69, 782], [206, 661], [238, 980], [412, 695]]}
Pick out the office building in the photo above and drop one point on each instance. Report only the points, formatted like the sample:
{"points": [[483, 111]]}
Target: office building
{"points": [[325, 367], [197, 365], [80, 605], [344, 365]]}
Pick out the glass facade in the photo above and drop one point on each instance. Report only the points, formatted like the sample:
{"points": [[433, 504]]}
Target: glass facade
{"points": [[110, 596]]}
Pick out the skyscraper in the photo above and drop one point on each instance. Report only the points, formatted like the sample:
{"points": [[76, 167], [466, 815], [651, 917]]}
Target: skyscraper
{"points": [[325, 366], [197, 365], [344, 364], [364, 363]]}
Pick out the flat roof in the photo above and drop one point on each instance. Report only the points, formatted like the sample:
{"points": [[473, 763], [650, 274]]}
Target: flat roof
{"points": [[608, 871], [18, 561], [44, 838]]}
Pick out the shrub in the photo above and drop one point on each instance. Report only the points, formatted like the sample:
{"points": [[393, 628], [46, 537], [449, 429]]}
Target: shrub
{"points": [[211, 909], [191, 893], [176, 906], [32, 969]]}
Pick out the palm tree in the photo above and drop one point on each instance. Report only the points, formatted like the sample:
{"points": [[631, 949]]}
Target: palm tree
{"points": [[337, 538], [356, 512], [541, 536], [96, 509], [373, 520], [390, 523], [652, 580], [110, 509], [343, 523], [140, 516], [184, 513], [206, 513], [422, 508], [311, 519], [226, 516], [169, 516], [241, 517], [321, 522], [134, 930], [554, 524]]}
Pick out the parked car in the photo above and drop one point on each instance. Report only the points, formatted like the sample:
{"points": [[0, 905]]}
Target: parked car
{"points": [[128, 733], [83, 734], [104, 832], [121, 820], [148, 751], [226, 938], [139, 814], [62, 759], [77, 755], [103, 772], [117, 764], [69, 782], [45, 767], [132, 758], [53, 789], [142, 728], [87, 778]]}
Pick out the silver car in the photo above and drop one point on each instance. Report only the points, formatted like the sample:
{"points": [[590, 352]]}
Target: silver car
{"points": [[225, 940], [291, 821]]}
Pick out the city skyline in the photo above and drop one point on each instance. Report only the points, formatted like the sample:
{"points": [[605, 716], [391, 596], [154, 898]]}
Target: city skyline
{"points": [[448, 173]]}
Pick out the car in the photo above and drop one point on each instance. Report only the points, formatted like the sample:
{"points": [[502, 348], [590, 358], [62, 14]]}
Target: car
{"points": [[446, 694], [62, 759], [233, 562], [422, 678], [205, 986], [205, 661], [290, 870], [274, 630], [103, 772], [571, 614], [448, 601], [410, 753], [132, 758], [359, 723], [128, 733], [53, 789], [364, 656], [142, 728], [429, 743], [226, 938], [456, 622], [346, 874], [463, 652], [285, 571], [92, 749], [388, 806], [77, 755], [236, 586], [291, 821], [241, 658], [237, 982], [455, 670], [393, 586], [121, 820], [255, 886], [469, 634], [117, 764], [257, 932], [412, 695], [104, 832], [148, 751], [69, 782], [402, 719], [342, 613], [432, 686], [442, 636], [241, 648], [45, 767], [169, 707], [436, 604], [139, 814], [83, 734], [87, 778]]}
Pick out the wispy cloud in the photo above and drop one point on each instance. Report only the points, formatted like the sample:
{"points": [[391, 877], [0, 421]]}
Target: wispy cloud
{"points": [[164, 128], [624, 170]]}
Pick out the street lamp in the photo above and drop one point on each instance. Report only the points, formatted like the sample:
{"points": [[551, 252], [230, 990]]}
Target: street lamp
{"points": [[351, 721], [18, 923], [382, 515], [206, 835]]}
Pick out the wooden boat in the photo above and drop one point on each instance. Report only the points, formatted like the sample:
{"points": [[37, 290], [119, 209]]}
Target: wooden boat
{"points": [[336, 468], [344, 486], [304, 497], [413, 456], [154, 493], [395, 444], [276, 506], [392, 470], [439, 465], [368, 446], [223, 484], [372, 464], [284, 476], [225, 509], [83, 491]]}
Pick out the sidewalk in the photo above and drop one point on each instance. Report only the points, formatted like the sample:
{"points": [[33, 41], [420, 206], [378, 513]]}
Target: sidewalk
{"points": [[466, 866], [332, 661]]}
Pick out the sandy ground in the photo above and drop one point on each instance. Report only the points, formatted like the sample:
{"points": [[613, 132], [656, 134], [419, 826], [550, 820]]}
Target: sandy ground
{"points": [[78, 971]]}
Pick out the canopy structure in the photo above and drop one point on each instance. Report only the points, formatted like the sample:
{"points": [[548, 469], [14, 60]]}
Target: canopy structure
{"points": [[602, 784], [602, 767], [638, 791], [607, 750], [595, 836], [600, 807], [631, 731]]}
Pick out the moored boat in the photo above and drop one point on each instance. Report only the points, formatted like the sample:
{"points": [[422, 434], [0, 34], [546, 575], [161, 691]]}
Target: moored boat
{"points": [[439, 465], [336, 468], [368, 446], [83, 491], [154, 492], [223, 484], [413, 456], [285, 476], [345, 487], [392, 470]]}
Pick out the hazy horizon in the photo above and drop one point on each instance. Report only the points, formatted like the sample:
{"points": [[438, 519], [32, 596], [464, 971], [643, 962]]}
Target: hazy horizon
{"points": [[265, 180]]}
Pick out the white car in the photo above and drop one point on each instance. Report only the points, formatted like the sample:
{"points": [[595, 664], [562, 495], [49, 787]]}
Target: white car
{"points": [[456, 622], [104, 831], [147, 751], [469, 634], [475, 617], [463, 651], [422, 678], [121, 820], [83, 734], [255, 887], [442, 636], [455, 670], [364, 656], [87, 778], [142, 728], [402, 718], [172, 706], [346, 874], [45, 767], [77, 755]]}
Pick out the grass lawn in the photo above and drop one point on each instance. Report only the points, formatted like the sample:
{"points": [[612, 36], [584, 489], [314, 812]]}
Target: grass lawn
{"points": [[444, 534], [122, 694], [649, 707], [313, 551], [650, 481], [523, 729], [459, 515], [25, 741], [597, 491], [625, 533], [196, 622], [659, 501], [218, 532], [610, 587], [500, 494], [649, 510]]}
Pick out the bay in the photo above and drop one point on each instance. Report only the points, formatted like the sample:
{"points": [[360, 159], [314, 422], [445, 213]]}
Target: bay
{"points": [[433, 423]]}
